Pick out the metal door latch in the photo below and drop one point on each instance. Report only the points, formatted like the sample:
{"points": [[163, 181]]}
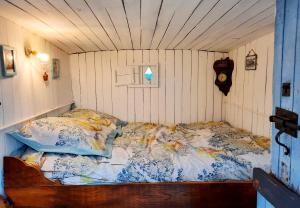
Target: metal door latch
{"points": [[286, 122]]}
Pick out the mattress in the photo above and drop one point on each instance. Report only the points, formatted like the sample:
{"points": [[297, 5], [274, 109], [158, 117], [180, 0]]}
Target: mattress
{"points": [[145, 152]]}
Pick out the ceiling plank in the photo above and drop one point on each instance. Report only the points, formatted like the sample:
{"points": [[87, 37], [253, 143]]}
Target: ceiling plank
{"points": [[251, 36], [219, 32], [227, 43], [214, 28], [35, 12], [21, 17], [211, 18], [242, 29], [200, 13], [260, 32], [149, 16], [62, 24], [86, 14], [99, 7], [133, 13], [73, 17], [182, 14], [116, 10], [165, 17]]}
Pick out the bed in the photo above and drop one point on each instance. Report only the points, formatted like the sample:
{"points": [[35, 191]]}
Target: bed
{"points": [[186, 165]]}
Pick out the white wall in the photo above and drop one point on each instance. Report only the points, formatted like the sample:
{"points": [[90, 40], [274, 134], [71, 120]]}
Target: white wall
{"points": [[26, 94], [249, 103], [186, 90], [186, 93]]}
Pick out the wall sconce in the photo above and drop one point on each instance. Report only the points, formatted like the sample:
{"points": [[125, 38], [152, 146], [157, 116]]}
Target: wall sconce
{"points": [[43, 57], [44, 60]]}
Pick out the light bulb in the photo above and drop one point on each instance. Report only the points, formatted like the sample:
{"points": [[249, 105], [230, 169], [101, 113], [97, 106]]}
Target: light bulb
{"points": [[43, 57]]}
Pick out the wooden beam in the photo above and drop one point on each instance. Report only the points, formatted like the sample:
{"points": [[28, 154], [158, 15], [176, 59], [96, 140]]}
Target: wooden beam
{"points": [[274, 190]]}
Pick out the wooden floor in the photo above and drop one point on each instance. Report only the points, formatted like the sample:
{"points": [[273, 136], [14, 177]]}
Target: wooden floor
{"points": [[26, 186]]}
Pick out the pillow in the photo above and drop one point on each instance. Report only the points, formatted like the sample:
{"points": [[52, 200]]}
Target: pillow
{"points": [[68, 135], [95, 117]]}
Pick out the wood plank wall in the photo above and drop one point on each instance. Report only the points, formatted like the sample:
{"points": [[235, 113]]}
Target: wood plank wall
{"points": [[26, 94], [186, 90], [249, 103]]}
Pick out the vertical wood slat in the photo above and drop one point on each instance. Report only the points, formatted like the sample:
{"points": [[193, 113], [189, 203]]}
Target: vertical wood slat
{"points": [[147, 91], [74, 67], [99, 81], [107, 92], [217, 95], [121, 90], [202, 86], [210, 87], [154, 91], [162, 87], [114, 89], [194, 86], [261, 79], [186, 86], [233, 90], [131, 93], [170, 87], [240, 90], [248, 93], [139, 96], [295, 167], [269, 89], [83, 80], [91, 80], [178, 86]]}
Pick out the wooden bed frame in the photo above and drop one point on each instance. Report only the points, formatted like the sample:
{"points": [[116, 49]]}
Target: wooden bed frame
{"points": [[26, 186]]}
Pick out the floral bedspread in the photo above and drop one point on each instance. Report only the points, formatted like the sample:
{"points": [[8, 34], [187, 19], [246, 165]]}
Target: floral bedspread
{"points": [[156, 153]]}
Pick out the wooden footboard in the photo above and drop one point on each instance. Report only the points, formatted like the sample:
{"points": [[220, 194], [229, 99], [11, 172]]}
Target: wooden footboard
{"points": [[26, 186]]}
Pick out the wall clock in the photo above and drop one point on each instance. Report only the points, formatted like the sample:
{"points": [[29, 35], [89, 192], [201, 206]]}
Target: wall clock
{"points": [[224, 69]]}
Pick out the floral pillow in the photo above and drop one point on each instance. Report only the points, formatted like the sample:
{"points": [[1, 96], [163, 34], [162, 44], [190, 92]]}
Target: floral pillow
{"points": [[95, 117], [69, 135]]}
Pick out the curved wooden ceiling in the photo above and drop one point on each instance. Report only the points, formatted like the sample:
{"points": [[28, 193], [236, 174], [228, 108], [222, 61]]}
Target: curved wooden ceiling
{"points": [[90, 25]]}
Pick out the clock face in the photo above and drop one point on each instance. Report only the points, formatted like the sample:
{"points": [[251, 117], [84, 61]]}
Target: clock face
{"points": [[222, 77]]}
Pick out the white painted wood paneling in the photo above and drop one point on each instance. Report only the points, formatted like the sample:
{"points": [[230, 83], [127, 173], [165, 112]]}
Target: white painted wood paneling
{"points": [[74, 66], [26, 95], [122, 91], [147, 91], [107, 84], [210, 87], [178, 85], [91, 80], [194, 86], [249, 102], [186, 86], [170, 86], [98, 76], [131, 93], [154, 91], [202, 86], [93, 25], [186, 91]]}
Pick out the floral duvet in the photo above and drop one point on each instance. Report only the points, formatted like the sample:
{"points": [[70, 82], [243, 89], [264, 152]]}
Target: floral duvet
{"points": [[156, 153]]}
